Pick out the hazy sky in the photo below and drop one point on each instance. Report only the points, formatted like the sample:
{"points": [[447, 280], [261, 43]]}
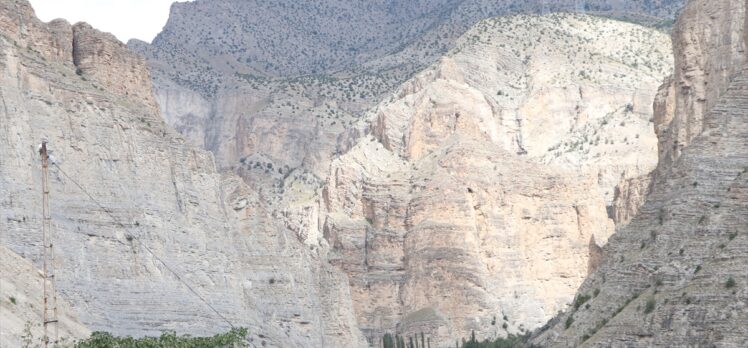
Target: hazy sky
{"points": [[126, 19]]}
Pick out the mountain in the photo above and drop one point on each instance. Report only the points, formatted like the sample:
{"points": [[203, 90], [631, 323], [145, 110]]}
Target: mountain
{"points": [[138, 213], [273, 83], [675, 276], [411, 184], [480, 197]]}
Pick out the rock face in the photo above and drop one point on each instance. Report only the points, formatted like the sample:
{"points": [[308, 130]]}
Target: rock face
{"points": [[462, 191], [161, 204], [242, 80], [675, 276], [20, 304], [95, 53]]}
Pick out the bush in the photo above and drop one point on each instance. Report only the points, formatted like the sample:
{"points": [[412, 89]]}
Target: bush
{"points": [[730, 283], [650, 306], [233, 339], [580, 301], [569, 322]]}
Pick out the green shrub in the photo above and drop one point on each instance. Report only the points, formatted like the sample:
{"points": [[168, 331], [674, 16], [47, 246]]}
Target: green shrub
{"points": [[730, 283], [569, 322], [233, 339], [580, 301], [650, 306]]}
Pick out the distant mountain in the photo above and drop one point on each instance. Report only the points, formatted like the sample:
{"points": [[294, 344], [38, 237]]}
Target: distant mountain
{"points": [[289, 38]]}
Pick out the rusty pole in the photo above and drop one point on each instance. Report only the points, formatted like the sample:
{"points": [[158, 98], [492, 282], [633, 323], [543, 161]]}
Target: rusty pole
{"points": [[50, 297]]}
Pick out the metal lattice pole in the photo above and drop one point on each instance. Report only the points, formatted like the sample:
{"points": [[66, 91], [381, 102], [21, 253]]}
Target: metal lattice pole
{"points": [[50, 297]]}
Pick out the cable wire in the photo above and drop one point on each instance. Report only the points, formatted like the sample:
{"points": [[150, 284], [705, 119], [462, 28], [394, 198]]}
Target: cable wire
{"points": [[130, 236]]}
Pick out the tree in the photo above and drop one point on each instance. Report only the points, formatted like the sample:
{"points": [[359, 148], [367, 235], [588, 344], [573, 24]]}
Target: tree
{"points": [[388, 341]]}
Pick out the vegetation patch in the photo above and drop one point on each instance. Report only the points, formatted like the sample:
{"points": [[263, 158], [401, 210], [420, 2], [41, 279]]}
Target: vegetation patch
{"points": [[650, 306], [569, 322], [580, 301], [235, 338]]}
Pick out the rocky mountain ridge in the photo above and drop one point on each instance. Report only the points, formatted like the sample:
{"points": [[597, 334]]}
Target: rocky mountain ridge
{"points": [[257, 90]]}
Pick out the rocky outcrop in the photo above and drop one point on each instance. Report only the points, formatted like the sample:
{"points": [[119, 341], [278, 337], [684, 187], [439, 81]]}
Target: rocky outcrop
{"points": [[675, 276], [147, 203], [98, 55], [20, 304], [462, 190], [709, 50], [104, 58]]}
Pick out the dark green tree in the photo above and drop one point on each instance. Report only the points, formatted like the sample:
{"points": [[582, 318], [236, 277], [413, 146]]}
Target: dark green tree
{"points": [[388, 341]]}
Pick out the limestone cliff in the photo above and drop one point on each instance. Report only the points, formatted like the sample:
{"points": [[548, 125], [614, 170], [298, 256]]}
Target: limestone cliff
{"points": [[155, 198], [463, 209], [676, 275]]}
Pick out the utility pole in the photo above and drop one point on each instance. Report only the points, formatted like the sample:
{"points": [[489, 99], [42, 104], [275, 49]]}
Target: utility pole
{"points": [[50, 297]]}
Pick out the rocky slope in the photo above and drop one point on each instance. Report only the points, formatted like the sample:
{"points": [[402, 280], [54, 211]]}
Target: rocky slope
{"points": [[676, 275], [462, 190], [245, 81], [158, 199], [20, 304]]}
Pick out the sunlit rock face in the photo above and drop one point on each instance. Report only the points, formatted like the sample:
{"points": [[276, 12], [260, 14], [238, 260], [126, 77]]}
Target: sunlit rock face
{"points": [[482, 194]]}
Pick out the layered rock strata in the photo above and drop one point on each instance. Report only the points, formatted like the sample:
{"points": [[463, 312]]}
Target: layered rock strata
{"points": [[21, 305], [676, 275], [147, 203]]}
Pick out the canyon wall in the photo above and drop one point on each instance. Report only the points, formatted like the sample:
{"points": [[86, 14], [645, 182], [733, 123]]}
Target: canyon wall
{"points": [[675, 276]]}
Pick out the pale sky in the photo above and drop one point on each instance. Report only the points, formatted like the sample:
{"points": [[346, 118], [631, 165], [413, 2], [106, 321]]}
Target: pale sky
{"points": [[126, 19]]}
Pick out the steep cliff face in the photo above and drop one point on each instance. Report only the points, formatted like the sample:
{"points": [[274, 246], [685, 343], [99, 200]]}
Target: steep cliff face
{"points": [[167, 198], [462, 191], [676, 275], [709, 50]]}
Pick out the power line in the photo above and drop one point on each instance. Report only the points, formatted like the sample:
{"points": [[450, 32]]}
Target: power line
{"points": [[130, 236]]}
